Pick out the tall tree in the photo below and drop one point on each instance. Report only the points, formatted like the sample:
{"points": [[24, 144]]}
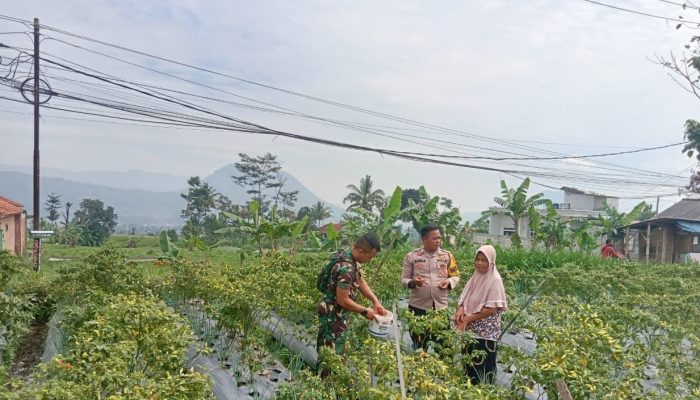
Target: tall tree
{"points": [[279, 196], [53, 204], [364, 196], [257, 174], [687, 68], [95, 221], [289, 199], [446, 202], [306, 212], [66, 215], [516, 204], [319, 212], [201, 200]]}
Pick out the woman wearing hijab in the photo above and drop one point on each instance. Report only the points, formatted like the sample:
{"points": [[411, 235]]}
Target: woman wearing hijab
{"points": [[479, 310]]}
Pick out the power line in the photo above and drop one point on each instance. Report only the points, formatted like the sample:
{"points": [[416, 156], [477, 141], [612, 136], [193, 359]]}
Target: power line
{"points": [[344, 124], [199, 109], [556, 158], [248, 129], [683, 5], [640, 12], [358, 109], [345, 145], [72, 69], [318, 99]]}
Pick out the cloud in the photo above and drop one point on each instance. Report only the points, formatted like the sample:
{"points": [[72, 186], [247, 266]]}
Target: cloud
{"points": [[541, 71]]}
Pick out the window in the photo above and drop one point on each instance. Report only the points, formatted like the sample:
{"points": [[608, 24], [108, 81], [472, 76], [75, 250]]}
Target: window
{"points": [[508, 231], [695, 247]]}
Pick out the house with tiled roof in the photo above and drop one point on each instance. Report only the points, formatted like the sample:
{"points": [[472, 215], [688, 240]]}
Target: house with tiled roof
{"points": [[13, 226]]}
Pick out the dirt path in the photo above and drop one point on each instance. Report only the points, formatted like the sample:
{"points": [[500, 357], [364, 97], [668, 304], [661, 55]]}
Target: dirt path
{"points": [[30, 351]]}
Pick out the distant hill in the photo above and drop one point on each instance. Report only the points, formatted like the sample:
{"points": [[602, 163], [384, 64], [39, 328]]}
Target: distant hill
{"points": [[124, 190], [135, 208], [222, 182], [130, 179]]}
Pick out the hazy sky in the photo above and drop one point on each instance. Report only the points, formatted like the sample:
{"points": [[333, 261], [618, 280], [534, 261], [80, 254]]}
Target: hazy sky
{"points": [[570, 74]]}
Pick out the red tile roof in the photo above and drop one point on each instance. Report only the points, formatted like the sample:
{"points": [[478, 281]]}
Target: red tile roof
{"points": [[9, 207]]}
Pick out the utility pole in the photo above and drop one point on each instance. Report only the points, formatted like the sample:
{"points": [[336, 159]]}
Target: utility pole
{"points": [[657, 204], [37, 193]]}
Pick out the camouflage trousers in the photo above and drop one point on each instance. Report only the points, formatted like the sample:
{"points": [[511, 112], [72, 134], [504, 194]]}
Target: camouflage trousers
{"points": [[333, 323]]}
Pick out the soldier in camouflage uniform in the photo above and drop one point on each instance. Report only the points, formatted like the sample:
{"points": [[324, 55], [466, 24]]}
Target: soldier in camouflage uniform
{"points": [[339, 281]]}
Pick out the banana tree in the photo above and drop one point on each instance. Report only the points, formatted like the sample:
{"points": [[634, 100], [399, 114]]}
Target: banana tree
{"points": [[548, 228], [516, 204], [168, 247], [582, 237], [611, 222], [195, 243], [261, 230]]}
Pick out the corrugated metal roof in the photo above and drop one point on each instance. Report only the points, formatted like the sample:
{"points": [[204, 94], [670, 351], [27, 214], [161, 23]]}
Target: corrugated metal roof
{"points": [[686, 210], [10, 207]]}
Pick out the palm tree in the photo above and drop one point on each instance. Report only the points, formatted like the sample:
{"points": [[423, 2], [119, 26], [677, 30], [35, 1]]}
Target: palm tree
{"points": [[319, 212], [516, 205], [364, 197]]}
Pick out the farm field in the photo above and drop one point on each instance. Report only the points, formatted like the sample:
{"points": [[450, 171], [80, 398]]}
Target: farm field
{"points": [[610, 330]]}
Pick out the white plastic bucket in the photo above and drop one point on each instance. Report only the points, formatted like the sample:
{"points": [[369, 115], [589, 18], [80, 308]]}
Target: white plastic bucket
{"points": [[380, 326]]}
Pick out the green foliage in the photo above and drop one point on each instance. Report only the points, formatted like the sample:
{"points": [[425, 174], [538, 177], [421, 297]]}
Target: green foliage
{"points": [[16, 307], [105, 270], [16, 312], [168, 247], [692, 135], [516, 204], [364, 196], [201, 201], [611, 222], [53, 204], [548, 228], [132, 347], [263, 231], [369, 371], [9, 266], [95, 222], [257, 173], [318, 213]]}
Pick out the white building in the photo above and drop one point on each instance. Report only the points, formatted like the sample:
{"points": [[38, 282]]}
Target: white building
{"points": [[577, 205]]}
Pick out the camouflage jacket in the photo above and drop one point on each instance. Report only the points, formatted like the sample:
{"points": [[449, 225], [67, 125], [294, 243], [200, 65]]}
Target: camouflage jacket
{"points": [[341, 272]]}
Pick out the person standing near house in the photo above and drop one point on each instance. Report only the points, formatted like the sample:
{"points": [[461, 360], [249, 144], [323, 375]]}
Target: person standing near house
{"points": [[430, 272], [339, 281], [479, 310], [608, 251]]}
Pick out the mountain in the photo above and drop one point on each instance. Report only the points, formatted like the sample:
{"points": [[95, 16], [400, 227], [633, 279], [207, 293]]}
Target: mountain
{"points": [[130, 179], [222, 182], [143, 209], [135, 208]]}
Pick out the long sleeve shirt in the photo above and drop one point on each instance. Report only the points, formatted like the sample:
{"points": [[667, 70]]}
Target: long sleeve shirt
{"points": [[434, 268]]}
